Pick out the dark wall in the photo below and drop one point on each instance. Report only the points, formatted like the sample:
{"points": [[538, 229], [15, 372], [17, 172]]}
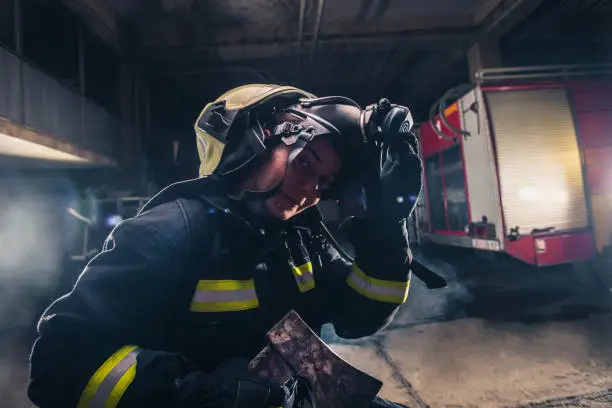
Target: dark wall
{"points": [[557, 54], [50, 39], [102, 73], [7, 23], [51, 42], [174, 115], [561, 32]]}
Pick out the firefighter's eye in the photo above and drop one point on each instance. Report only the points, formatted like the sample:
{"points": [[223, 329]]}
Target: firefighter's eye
{"points": [[302, 163]]}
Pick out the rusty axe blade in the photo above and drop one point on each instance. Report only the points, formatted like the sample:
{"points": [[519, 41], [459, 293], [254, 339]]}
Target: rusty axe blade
{"points": [[294, 349]]}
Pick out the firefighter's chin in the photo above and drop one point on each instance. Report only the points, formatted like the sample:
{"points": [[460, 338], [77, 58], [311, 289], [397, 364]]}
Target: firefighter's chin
{"points": [[282, 208]]}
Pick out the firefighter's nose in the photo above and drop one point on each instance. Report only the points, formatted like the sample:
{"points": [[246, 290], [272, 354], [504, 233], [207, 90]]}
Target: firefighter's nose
{"points": [[304, 184]]}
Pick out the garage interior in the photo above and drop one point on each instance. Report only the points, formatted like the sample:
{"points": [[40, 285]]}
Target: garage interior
{"points": [[97, 102]]}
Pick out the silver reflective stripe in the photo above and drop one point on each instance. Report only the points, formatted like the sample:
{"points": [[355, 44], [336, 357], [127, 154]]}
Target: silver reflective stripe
{"points": [[108, 384], [304, 279], [224, 295], [382, 290], [358, 281], [304, 276]]}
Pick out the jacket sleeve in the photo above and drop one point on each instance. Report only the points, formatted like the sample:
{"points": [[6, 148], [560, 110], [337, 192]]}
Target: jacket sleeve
{"points": [[94, 346], [363, 296]]}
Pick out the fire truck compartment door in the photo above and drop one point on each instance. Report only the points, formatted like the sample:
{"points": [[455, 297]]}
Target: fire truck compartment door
{"points": [[540, 172]]}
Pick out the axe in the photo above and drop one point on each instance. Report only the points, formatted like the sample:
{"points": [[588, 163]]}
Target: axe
{"points": [[295, 351]]}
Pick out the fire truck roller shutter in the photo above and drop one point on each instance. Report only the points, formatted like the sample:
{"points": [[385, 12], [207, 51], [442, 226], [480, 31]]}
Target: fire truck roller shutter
{"points": [[540, 173]]}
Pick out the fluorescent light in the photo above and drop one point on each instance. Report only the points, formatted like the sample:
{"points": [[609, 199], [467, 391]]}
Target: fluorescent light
{"points": [[16, 147]]}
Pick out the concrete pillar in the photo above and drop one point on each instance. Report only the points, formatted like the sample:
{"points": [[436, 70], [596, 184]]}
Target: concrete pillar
{"points": [[483, 54], [147, 127], [139, 131], [18, 26], [127, 141], [135, 125], [146, 100], [81, 59]]}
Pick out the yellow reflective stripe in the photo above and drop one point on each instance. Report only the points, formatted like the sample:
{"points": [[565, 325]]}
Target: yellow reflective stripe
{"points": [[378, 282], [224, 296], [377, 289], [226, 284], [235, 306], [304, 276], [92, 397]]}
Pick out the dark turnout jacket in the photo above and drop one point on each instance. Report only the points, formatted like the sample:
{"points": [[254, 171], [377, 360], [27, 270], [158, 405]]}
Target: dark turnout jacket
{"points": [[189, 283]]}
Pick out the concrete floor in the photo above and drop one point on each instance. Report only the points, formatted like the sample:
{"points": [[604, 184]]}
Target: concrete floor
{"points": [[496, 338], [504, 337]]}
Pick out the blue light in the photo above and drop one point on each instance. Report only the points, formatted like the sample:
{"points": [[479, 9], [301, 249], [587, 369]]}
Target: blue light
{"points": [[113, 220]]}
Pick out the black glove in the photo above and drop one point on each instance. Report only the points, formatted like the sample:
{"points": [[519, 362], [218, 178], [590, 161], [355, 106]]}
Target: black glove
{"points": [[389, 178], [393, 179], [231, 385]]}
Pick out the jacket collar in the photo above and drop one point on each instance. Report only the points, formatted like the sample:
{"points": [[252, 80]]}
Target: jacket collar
{"points": [[212, 192]]}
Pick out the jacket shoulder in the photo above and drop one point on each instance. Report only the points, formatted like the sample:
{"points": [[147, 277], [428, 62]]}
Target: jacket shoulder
{"points": [[172, 224]]}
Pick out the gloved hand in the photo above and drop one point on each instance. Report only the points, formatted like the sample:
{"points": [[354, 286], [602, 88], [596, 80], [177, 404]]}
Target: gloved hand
{"points": [[394, 169], [390, 171], [231, 385]]}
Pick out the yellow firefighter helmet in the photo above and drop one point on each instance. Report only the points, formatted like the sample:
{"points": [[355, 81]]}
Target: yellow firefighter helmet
{"points": [[225, 119]]}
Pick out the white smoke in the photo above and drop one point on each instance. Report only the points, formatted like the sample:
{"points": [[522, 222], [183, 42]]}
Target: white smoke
{"points": [[517, 337], [423, 306], [35, 234]]}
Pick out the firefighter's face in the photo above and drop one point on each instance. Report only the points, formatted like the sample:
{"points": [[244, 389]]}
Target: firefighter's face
{"points": [[306, 179]]}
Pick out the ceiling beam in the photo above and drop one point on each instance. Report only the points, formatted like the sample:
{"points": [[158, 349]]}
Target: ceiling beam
{"points": [[221, 69], [350, 43], [483, 10], [503, 16], [101, 20], [219, 29]]}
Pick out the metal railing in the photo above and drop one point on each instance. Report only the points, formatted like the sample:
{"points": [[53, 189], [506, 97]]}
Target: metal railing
{"points": [[36, 100], [545, 72]]}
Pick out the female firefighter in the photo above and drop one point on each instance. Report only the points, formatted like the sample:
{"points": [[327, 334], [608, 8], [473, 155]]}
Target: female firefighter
{"points": [[182, 294]]}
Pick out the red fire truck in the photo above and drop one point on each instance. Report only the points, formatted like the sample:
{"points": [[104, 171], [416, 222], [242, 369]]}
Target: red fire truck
{"points": [[521, 163]]}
